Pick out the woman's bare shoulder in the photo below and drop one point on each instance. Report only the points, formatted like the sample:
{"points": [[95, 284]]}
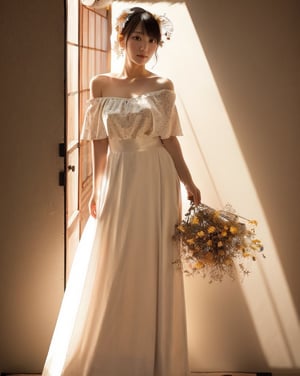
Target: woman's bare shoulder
{"points": [[164, 83], [98, 84]]}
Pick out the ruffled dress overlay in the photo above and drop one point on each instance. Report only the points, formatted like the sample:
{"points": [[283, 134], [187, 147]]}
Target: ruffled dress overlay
{"points": [[123, 312]]}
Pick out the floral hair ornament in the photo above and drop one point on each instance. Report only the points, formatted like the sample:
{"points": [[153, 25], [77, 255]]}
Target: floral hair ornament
{"points": [[165, 24], [121, 21]]}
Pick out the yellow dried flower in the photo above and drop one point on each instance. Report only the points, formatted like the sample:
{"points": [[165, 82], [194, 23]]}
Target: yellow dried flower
{"points": [[190, 241], [253, 222], [224, 233], [199, 265], [209, 242], [181, 228], [195, 220], [200, 234], [256, 241], [211, 229], [233, 229], [220, 244]]}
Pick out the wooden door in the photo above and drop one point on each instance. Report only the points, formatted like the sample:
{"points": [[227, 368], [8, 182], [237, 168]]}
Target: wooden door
{"points": [[32, 107]]}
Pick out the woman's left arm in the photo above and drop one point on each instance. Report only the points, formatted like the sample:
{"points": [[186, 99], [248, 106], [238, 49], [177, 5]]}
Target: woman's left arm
{"points": [[173, 147]]}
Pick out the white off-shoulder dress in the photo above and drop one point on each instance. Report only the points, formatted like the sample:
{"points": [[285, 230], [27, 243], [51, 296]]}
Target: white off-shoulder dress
{"points": [[123, 312]]}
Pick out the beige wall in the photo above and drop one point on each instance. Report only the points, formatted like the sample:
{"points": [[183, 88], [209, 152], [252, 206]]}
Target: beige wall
{"points": [[32, 218], [252, 48]]}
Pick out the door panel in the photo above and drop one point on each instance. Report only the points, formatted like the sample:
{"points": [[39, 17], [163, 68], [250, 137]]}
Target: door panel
{"points": [[72, 187], [32, 110], [72, 116]]}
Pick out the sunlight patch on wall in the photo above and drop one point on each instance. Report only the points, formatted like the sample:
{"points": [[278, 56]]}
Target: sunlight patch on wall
{"points": [[217, 165]]}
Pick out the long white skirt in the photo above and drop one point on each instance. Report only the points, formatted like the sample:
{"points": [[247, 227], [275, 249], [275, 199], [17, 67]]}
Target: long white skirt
{"points": [[123, 312]]}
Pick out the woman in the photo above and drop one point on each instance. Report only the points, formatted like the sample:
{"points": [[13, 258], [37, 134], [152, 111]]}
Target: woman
{"points": [[127, 316]]}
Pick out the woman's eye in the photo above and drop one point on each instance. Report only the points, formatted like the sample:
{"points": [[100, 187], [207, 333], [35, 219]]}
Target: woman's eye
{"points": [[153, 41], [136, 37]]}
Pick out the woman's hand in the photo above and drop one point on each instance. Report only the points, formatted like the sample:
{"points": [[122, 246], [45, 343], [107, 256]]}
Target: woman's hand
{"points": [[194, 193], [93, 206]]}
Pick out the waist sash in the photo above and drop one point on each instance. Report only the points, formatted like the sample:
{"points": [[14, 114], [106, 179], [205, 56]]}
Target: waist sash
{"points": [[134, 144]]}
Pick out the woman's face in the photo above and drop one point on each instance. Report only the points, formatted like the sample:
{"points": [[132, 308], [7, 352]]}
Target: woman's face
{"points": [[140, 47]]}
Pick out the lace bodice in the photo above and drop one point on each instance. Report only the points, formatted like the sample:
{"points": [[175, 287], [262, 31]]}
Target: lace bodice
{"points": [[151, 114]]}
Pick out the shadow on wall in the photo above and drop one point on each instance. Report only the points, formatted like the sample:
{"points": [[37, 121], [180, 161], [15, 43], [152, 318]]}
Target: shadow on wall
{"points": [[252, 49]]}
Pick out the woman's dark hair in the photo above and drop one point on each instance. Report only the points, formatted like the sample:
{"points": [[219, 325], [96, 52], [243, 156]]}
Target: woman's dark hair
{"points": [[148, 22]]}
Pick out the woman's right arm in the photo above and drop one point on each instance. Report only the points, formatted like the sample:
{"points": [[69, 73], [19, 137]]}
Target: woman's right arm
{"points": [[99, 153], [173, 147], [99, 156]]}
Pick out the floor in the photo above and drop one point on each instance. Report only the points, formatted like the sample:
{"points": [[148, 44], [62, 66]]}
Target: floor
{"points": [[192, 374]]}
